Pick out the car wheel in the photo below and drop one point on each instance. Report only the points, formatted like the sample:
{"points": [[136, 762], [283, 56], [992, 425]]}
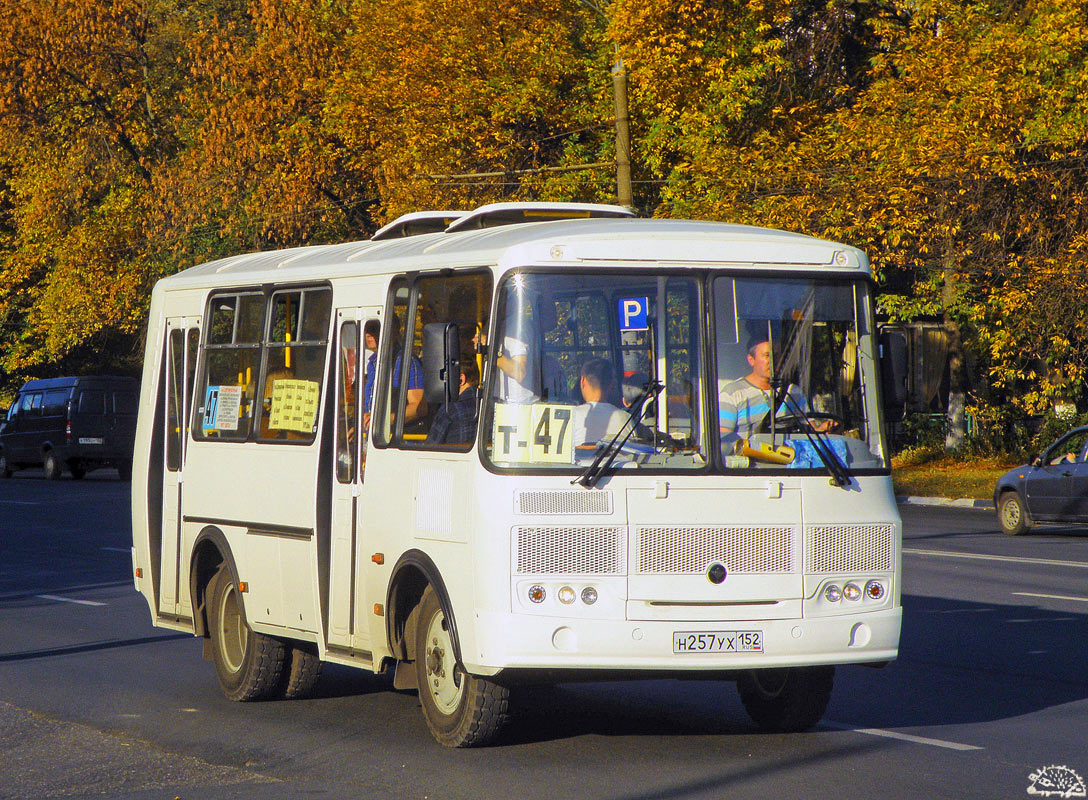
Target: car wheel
{"points": [[248, 664], [75, 466], [1012, 514], [461, 710], [786, 700], [51, 465]]}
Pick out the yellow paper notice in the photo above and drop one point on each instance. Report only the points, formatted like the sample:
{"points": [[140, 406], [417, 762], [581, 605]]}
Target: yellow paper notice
{"points": [[294, 405]]}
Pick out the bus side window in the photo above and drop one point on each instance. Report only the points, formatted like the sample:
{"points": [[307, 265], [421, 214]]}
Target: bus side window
{"points": [[463, 299], [297, 341], [232, 357], [347, 402]]}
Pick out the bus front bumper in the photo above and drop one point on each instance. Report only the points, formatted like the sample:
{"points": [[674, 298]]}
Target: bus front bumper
{"points": [[520, 641]]}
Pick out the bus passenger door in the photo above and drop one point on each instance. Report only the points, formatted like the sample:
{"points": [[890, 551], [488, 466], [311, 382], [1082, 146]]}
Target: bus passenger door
{"points": [[347, 622], [182, 340]]}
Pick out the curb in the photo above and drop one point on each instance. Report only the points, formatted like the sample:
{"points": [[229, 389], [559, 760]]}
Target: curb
{"points": [[946, 502]]}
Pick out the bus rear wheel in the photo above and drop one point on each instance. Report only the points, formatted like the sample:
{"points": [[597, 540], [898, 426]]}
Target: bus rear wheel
{"points": [[248, 664], [786, 700], [461, 710], [301, 670]]}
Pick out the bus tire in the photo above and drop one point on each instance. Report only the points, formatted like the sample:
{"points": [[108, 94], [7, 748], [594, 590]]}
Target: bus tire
{"points": [[786, 700], [301, 670], [1012, 514], [248, 664], [51, 465], [461, 710]]}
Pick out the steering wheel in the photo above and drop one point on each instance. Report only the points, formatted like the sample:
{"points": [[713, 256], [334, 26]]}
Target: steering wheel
{"points": [[795, 423]]}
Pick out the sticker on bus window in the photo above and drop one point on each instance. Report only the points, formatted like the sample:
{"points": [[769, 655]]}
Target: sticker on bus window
{"points": [[294, 405], [537, 433], [222, 408]]}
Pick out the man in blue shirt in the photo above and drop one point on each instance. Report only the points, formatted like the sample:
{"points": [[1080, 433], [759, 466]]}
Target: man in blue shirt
{"points": [[415, 405]]}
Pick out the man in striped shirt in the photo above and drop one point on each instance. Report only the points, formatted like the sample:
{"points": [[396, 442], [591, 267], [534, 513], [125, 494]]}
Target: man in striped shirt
{"points": [[744, 403]]}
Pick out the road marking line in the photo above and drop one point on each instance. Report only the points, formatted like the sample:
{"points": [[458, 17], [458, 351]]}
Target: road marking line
{"points": [[1039, 561], [68, 600], [117, 549], [19, 503], [905, 737], [1052, 596]]}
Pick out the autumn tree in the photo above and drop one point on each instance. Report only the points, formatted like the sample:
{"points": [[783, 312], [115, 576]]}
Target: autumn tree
{"points": [[944, 138], [87, 99], [432, 90], [262, 164]]}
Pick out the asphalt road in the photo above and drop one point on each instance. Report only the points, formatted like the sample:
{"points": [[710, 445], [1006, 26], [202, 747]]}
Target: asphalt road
{"points": [[991, 687]]}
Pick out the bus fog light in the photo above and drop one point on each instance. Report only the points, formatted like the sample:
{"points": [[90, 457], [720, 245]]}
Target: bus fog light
{"points": [[833, 594], [566, 595], [851, 591], [537, 593], [589, 595], [874, 590]]}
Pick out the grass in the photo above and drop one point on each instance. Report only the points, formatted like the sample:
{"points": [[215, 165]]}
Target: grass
{"points": [[947, 477]]}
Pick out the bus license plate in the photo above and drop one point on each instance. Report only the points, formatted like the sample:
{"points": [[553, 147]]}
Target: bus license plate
{"points": [[717, 642]]}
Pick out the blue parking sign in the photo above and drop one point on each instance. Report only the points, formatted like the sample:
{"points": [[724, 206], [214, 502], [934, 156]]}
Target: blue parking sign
{"points": [[633, 312]]}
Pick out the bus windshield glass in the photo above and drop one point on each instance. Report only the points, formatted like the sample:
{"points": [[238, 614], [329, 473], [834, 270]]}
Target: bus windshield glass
{"points": [[804, 348], [572, 353]]}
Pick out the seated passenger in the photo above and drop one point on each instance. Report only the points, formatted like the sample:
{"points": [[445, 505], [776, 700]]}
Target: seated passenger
{"points": [[455, 422], [596, 419]]}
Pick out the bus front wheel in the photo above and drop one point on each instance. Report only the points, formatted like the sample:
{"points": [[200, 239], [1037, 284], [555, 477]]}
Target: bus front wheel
{"points": [[461, 710], [786, 700], [248, 664]]}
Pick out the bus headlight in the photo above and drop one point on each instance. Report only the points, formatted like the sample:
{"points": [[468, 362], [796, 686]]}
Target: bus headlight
{"points": [[566, 595], [851, 591], [537, 593], [874, 590], [589, 595], [833, 594]]}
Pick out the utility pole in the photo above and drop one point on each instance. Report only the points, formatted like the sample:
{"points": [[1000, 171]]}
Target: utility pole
{"points": [[623, 135]]}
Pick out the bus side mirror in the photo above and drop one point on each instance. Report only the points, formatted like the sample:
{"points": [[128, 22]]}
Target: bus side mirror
{"points": [[893, 371], [441, 362]]}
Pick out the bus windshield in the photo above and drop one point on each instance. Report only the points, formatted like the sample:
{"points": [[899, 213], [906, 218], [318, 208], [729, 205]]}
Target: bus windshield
{"points": [[804, 348], [571, 355], [573, 352]]}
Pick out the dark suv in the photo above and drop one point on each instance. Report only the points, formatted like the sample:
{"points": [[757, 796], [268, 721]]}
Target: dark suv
{"points": [[80, 423]]}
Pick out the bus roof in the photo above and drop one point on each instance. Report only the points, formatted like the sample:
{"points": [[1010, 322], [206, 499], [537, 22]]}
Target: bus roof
{"points": [[593, 242]]}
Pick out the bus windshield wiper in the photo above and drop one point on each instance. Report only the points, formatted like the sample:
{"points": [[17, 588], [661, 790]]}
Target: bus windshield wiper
{"points": [[607, 454], [839, 472]]}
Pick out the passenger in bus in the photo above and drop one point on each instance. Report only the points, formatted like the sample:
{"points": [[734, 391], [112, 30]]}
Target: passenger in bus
{"points": [[415, 405], [527, 373], [744, 403], [596, 418], [455, 422], [371, 331]]}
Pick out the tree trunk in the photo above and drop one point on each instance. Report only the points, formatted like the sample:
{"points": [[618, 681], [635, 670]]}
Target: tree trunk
{"points": [[957, 385]]}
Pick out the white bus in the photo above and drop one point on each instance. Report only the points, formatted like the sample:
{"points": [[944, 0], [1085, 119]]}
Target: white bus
{"points": [[503, 447]]}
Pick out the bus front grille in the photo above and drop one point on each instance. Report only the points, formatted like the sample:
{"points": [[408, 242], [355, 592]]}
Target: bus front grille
{"points": [[559, 501], [742, 549], [569, 551], [849, 548]]}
